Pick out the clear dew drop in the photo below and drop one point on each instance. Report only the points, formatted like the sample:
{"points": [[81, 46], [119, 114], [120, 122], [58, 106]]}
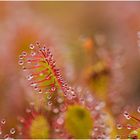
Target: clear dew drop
{"points": [[63, 107], [65, 94], [60, 121], [29, 61], [119, 126], [126, 115], [12, 131], [3, 121], [138, 109], [29, 77], [24, 68], [53, 89], [37, 43], [95, 128], [69, 97], [21, 57], [33, 84], [22, 120], [32, 46], [55, 110], [128, 126], [43, 48], [20, 62], [49, 103], [35, 88], [39, 91], [33, 53], [59, 100], [24, 53]]}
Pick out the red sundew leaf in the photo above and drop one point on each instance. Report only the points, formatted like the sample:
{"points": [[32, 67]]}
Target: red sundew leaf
{"points": [[42, 73]]}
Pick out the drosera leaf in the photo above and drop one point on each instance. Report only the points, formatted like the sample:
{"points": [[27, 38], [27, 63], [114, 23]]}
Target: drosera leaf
{"points": [[78, 122], [39, 128], [41, 71]]}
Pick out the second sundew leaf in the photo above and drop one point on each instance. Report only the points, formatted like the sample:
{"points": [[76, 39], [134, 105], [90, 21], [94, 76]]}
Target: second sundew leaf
{"points": [[39, 128], [78, 122], [41, 70]]}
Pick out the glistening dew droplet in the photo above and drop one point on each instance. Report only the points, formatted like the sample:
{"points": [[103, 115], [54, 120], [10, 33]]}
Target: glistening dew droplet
{"points": [[37, 43], [55, 110], [20, 62], [33, 53], [33, 84], [49, 103], [29, 61], [60, 121], [24, 53], [29, 77], [21, 57], [12, 131], [53, 89], [59, 100], [3, 121], [24, 68], [126, 115], [39, 91], [119, 126], [32, 46], [128, 126]]}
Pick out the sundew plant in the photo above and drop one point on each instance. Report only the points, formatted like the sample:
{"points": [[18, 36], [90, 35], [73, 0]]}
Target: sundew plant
{"points": [[69, 70]]}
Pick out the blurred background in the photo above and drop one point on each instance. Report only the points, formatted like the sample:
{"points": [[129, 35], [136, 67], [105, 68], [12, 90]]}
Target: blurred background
{"points": [[81, 35]]}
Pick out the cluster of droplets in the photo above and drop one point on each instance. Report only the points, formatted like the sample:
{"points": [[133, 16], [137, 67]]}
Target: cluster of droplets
{"points": [[41, 71]]}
